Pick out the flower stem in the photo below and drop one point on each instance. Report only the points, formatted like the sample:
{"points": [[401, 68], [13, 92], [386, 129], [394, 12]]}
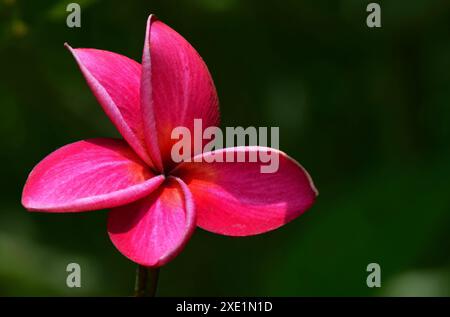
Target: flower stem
{"points": [[146, 281]]}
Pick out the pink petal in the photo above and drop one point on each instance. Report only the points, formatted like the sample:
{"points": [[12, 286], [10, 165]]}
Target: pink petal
{"points": [[88, 175], [154, 230], [176, 88], [115, 81], [236, 199]]}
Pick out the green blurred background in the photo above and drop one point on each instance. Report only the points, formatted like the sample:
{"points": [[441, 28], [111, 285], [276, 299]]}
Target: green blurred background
{"points": [[366, 111]]}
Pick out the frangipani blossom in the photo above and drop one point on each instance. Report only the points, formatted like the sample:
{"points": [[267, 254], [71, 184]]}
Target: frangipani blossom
{"points": [[155, 204]]}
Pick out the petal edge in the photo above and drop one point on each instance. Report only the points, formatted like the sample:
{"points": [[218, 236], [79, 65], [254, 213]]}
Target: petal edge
{"points": [[154, 230], [236, 199], [88, 175], [176, 89], [115, 82]]}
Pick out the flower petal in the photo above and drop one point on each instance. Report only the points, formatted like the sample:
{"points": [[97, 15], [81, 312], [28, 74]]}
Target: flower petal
{"points": [[88, 175], [115, 81], [154, 230], [176, 88], [236, 199]]}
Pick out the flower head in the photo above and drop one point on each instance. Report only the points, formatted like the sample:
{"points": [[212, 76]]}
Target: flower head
{"points": [[155, 202]]}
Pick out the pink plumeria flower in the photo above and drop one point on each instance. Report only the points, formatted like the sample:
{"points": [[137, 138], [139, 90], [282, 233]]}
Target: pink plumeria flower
{"points": [[156, 204]]}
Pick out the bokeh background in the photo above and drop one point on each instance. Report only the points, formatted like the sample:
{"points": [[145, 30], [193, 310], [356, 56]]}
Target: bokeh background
{"points": [[366, 111]]}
